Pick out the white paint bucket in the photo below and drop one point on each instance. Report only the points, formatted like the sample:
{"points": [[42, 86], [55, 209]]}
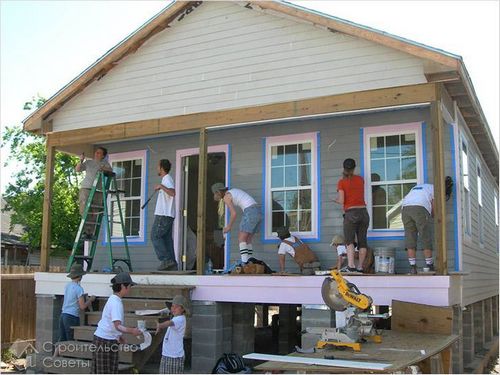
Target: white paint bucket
{"points": [[385, 258]]}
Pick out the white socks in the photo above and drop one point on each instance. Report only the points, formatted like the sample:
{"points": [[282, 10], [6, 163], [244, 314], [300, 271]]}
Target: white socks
{"points": [[250, 250], [244, 252], [412, 261]]}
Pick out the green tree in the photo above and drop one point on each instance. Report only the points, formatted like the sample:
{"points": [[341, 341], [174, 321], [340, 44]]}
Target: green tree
{"points": [[24, 196]]}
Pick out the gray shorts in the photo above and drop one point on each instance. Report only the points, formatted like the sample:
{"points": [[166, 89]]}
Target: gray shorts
{"points": [[250, 220], [356, 222], [417, 221]]}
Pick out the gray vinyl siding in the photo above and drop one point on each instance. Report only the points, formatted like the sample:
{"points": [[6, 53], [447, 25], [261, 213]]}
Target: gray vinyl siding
{"points": [[480, 261], [223, 56], [247, 170]]}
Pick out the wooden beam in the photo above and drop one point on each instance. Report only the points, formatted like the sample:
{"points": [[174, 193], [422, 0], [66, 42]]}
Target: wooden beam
{"points": [[369, 99], [202, 204], [456, 89], [449, 76], [47, 208], [439, 177]]}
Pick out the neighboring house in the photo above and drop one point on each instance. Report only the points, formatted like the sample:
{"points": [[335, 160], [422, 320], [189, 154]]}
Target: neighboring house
{"points": [[14, 250], [285, 94]]}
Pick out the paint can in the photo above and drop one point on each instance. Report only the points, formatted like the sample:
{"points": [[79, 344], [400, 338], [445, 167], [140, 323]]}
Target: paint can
{"points": [[385, 259]]}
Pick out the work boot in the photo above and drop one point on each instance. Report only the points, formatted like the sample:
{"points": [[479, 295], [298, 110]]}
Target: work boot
{"points": [[413, 269], [162, 266]]}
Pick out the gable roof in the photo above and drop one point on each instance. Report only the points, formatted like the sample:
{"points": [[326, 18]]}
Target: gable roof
{"points": [[456, 80]]}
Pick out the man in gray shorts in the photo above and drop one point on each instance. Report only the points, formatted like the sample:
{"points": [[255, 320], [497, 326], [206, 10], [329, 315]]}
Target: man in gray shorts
{"points": [[417, 211]]}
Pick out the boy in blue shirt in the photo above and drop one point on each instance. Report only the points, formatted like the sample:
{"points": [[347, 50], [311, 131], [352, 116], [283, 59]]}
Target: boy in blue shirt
{"points": [[74, 301]]}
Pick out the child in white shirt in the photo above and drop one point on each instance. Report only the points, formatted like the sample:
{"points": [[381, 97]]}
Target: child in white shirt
{"points": [[172, 359]]}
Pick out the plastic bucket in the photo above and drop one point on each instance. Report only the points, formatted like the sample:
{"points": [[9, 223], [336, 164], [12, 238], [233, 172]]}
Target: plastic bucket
{"points": [[385, 258]]}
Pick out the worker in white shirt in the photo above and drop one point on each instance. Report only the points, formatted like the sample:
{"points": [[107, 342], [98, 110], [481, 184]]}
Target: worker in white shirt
{"points": [[250, 220], [417, 212]]}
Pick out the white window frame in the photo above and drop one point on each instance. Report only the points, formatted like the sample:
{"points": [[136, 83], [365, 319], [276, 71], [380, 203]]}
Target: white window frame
{"points": [[312, 138], [480, 213], [387, 130], [125, 156], [465, 178]]}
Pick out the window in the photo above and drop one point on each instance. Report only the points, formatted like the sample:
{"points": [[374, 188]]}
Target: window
{"points": [[465, 181], [130, 169], [291, 184], [393, 159], [480, 203]]}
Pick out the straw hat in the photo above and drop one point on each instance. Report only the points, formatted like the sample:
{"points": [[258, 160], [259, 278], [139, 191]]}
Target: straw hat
{"points": [[218, 186], [181, 301], [123, 278], [76, 271], [337, 240]]}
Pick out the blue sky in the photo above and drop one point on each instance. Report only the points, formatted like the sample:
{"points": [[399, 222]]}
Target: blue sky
{"points": [[45, 44]]}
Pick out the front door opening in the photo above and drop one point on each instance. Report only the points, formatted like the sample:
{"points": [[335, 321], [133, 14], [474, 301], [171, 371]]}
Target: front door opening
{"points": [[214, 245]]}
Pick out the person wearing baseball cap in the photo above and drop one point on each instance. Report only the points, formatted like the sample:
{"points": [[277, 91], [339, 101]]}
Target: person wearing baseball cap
{"points": [[351, 195], [74, 301], [110, 328], [172, 358]]}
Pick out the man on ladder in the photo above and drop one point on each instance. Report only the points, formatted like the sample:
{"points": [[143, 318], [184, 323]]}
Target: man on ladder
{"points": [[96, 211], [91, 167]]}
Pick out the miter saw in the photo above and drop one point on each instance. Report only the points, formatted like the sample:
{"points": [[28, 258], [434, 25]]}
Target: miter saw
{"points": [[341, 295]]}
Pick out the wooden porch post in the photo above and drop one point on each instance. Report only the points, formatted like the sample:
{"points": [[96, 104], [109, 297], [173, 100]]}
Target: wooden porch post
{"points": [[202, 204], [439, 193], [47, 207]]}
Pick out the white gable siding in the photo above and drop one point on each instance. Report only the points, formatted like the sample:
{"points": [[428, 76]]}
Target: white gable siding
{"points": [[224, 56]]}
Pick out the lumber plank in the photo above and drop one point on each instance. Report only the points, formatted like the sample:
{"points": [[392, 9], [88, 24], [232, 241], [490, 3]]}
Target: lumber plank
{"points": [[415, 317], [377, 98], [202, 203], [437, 129], [47, 207]]}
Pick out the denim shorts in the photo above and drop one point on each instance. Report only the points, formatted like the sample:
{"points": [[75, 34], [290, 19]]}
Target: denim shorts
{"points": [[250, 220]]}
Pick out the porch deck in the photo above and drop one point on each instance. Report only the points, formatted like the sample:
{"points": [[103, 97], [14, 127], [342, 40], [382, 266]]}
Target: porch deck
{"points": [[301, 290]]}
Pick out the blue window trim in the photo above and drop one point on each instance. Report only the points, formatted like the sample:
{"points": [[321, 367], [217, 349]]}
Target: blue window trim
{"points": [[424, 152], [317, 238], [227, 243], [130, 239], [454, 194]]}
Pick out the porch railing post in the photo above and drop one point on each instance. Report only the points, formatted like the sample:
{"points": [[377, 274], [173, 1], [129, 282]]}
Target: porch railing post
{"points": [[47, 207], [202, 204], [439, 176]]}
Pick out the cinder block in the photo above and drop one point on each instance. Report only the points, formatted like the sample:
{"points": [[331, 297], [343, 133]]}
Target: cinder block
{"points": [[488, 320], [478, 326], [458, 347], [212, 321], [208, 335], [494, 313], [468, 335], [208, 350], [203, 365]]}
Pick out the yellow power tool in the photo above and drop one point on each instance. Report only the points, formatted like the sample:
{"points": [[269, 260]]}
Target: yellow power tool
{"points": [[341, 295]]}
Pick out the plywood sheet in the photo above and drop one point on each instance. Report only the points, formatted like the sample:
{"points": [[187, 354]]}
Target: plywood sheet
{"points": [[415, 317]]}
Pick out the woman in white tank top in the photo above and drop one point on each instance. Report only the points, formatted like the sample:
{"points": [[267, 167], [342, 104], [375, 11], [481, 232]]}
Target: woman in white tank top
{"points": [[250, 220]]}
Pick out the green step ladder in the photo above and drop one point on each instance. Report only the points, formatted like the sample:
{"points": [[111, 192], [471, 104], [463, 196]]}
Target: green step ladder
{"points": [[105, 183]]}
